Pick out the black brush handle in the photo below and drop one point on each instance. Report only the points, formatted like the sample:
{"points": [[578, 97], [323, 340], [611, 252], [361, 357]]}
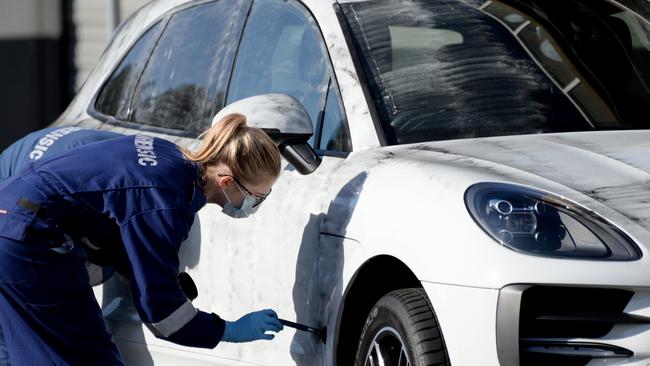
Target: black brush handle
{"points": [[302, 327]]}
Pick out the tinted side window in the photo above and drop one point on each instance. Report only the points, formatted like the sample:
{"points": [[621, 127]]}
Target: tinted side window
{"points": [[334, 133], [185, 80], [115, 97], [282, 52]]}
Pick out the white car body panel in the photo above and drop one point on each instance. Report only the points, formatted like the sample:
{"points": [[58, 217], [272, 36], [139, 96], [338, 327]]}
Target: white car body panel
{"points": [[467, 313], [434, 176]]}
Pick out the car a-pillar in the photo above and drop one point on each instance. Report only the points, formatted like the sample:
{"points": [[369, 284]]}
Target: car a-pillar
{"points": [[386, 287]]}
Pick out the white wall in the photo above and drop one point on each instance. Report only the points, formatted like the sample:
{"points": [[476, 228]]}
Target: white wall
{"points": [[30, 19]]}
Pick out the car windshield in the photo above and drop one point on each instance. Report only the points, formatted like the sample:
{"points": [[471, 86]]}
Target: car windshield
{"points": [[449, 69]]}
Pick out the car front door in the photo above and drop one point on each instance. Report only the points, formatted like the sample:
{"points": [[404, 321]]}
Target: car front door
{"points": [[270, 259]]}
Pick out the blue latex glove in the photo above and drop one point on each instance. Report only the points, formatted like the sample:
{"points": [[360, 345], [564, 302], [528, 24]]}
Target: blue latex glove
{"points": [[252, 327]]}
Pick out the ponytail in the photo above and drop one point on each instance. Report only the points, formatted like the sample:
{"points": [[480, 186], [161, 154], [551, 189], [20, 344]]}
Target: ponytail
{"points": [[248, 152]]}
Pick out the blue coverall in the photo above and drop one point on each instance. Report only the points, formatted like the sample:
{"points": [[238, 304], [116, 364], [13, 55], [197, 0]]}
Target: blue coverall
{"points": [[47, 142], [140, 186], [40, 145]]}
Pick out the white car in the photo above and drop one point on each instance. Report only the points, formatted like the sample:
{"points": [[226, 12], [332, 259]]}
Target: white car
{"points": [[472, 186]]}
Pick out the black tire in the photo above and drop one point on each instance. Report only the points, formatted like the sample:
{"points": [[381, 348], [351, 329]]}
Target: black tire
{"points": [[402, 326]]}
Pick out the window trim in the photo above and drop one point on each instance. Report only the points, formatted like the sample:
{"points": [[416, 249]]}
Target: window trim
{"points": [[339, 100], [318, 133], [332, 153], [337, 92], [129, 110], [236, 57]]}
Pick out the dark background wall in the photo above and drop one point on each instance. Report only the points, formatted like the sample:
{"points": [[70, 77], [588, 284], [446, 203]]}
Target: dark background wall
{"points": [[33, 91], [47, 49], [36, 72]]}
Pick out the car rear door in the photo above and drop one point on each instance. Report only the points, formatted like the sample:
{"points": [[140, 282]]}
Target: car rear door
{"points": [[170, 83]]}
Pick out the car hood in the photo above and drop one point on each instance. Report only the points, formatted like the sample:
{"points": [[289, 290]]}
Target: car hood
{"points": [[612, 167], [406, 201]]}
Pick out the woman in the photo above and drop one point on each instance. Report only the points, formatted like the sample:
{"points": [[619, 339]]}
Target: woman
{"points": [[147, 191]]}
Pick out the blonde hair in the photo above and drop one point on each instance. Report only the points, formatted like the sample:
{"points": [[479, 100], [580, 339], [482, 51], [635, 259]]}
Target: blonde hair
{"points": [[249, 152]]}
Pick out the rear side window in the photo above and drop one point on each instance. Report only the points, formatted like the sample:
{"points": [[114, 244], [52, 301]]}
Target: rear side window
{"points": [[115, 98], [185, 79]]}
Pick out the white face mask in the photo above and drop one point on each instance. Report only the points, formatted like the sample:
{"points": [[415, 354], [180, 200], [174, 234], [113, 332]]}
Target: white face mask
{"points": [[247, 208]]}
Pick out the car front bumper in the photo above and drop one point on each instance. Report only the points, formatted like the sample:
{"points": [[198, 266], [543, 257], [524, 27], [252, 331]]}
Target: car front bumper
{"points": [[603, 325]]}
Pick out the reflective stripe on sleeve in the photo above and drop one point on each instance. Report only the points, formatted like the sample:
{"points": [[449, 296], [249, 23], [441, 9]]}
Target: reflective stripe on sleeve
{"points": [[174, 321]]}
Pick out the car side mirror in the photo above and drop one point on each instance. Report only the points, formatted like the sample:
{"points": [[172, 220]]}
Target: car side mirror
{"points": [[285, 120]]}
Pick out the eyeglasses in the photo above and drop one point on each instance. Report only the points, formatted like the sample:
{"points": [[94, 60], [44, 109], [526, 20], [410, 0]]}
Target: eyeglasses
{"points": [[258, 199]]}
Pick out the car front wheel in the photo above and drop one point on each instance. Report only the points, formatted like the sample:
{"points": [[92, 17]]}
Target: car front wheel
{"points": [[401, 330]]}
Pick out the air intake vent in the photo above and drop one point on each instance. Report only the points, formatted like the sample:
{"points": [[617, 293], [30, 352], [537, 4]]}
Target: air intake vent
{"points": [[562, 326], [551, 316], [543, 352], [564, 312]]}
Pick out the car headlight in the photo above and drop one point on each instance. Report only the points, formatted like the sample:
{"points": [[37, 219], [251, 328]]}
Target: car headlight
{"points": [[538, 223]]}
